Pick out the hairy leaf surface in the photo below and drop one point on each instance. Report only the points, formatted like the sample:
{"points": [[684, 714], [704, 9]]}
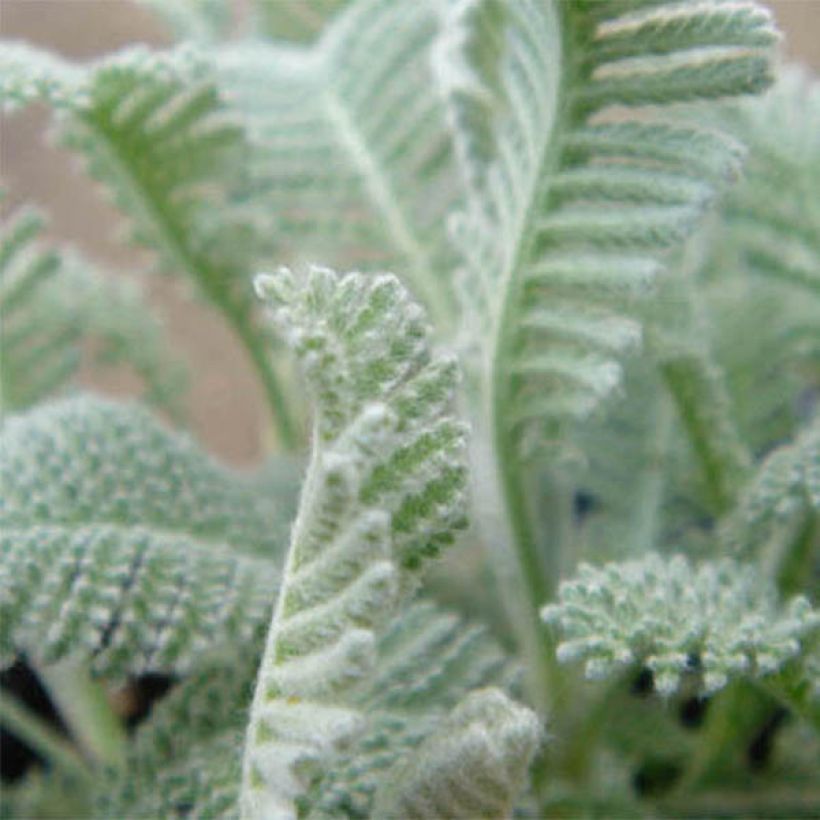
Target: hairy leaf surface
{"points": [[154, 130], [710, 622], [187, 753], [575, 210], [355, 162], [51, 302], [472, 766], [123, 544], [385, 491]]}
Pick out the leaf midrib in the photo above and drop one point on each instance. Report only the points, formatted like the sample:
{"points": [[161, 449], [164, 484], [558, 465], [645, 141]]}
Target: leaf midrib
{"points": [[170, 239], [381, 192]]}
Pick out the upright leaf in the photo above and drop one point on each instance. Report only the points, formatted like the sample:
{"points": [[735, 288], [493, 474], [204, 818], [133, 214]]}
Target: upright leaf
{"points": [[584, 187], [186, 755], [385, 491], [578, 208]]}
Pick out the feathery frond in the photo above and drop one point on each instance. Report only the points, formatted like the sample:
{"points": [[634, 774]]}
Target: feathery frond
{"points": [[578, 208], [51, 302], [384, 492], [711, 622], [154, 130], [296, 20], [125, 545], [186, 754], [428, 660], [777, 516], [354, 163], [472, 766]]}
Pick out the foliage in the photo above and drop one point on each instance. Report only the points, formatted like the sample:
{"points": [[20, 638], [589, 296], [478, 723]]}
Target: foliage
{"points": [[610, 219], [712, 621], [50, 300], [124, 544]]}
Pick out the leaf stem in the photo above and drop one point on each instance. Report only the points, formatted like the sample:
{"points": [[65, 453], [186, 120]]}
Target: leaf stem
{"points": [[83, 706], [261, 360], [145, 206], [42, 738], [698, 388]]}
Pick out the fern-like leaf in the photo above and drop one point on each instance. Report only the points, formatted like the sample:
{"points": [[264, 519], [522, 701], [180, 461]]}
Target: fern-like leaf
{"points": [[472, 766], [776, 519], [354, 164], [50, 302], [428, 661], [384, 492], [578, 209], [585, 188], [186, 754], [710, 622], [154, 130], [123, 544]]}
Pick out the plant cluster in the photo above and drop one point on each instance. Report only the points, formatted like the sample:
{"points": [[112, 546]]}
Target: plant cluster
{"points": [[556, 550]]}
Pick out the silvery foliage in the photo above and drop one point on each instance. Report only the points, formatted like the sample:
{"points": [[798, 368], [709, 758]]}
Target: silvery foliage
{"points": [[553, 181]]}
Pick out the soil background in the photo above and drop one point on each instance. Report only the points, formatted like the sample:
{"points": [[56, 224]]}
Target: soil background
{"points": [[225, 406]]}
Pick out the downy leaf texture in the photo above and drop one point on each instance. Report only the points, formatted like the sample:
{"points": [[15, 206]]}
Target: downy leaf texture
{"points": [[53, 301], [428, 661], [708, 622], [385, 491], [125, 546], [758, 332], [472, 766], [778, 512], [580, 184], [154, 131], [185, 756], [185, 759], [354, 163], [535, 170]]}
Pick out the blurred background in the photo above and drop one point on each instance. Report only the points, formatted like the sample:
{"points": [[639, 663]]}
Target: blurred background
{"points": [[225, 406]]}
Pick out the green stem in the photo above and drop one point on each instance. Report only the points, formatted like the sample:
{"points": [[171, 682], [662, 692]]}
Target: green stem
{"points": [[84, 707], [792, 689], [647, 515], [577, 745], [261, 360], [499, 500], [713, 741], [795, 567], [527, 586], [42, 738], [148, 208], [697, 389]]}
